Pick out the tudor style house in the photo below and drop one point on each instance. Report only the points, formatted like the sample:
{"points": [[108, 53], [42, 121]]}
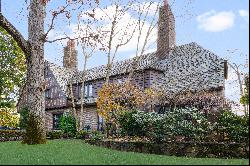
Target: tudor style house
{"points": [[183, 65]]}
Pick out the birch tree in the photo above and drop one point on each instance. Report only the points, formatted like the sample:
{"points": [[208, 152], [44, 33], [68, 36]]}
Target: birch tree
{"points": [[116, 25]]}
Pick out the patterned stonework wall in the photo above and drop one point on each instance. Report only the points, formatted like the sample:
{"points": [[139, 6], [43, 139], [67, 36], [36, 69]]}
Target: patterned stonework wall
{"points": [[90, 117], [156, 78], [49, 117]]}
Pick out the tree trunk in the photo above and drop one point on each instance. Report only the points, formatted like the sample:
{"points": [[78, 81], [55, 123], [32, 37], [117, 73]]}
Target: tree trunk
{"points": [[35, 64]]}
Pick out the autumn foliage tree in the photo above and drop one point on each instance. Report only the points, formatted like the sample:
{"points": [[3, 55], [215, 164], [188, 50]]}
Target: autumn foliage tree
{"points": [[9, 117], [115, 98]]}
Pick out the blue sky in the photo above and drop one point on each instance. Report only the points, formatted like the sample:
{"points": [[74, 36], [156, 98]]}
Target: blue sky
{"points": [[217, 25]]}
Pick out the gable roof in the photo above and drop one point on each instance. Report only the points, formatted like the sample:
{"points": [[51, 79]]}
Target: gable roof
{"points": [[180, 62], [61, 74], [193, 67], [121, 67]]}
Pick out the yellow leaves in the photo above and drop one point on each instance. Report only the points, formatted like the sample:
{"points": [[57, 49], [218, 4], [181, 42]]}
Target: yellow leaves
{"points": [[9, 117], [116, 98]]}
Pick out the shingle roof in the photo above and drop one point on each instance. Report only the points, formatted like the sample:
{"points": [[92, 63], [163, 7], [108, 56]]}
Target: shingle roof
{"points": [[144, 62], [183, 65], [62, 75], [192, 66]]}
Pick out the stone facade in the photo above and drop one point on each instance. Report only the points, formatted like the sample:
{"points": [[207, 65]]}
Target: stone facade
{"points": [[90, 117]]}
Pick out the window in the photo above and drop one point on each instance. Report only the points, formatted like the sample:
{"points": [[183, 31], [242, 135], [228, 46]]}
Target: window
{"points": [[47, 93], [56, 118], [88, 90]]}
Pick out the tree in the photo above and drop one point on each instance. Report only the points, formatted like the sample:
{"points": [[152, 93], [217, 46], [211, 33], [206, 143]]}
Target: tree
{"points": [[12, 69], [116, 98], [238, 71], [245, 98], [9, 117], [33, 49]]}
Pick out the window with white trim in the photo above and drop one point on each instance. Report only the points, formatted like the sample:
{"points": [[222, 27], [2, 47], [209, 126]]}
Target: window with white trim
{"points": [[88, 90]]}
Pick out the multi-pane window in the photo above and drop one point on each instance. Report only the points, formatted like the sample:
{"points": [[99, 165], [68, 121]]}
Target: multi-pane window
{"points": [[88, 90], [56, 118]]}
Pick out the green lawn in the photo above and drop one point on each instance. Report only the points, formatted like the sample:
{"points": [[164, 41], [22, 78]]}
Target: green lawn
{"points": [[77, 152]]}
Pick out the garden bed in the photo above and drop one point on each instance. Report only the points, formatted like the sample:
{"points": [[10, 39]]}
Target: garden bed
{"points": [[189, 149]]}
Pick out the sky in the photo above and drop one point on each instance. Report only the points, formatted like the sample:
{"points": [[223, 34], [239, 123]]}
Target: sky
{"points": [[221, 26]]}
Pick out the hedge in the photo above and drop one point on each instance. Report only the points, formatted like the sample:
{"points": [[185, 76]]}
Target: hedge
{"points": [[11, 135]]}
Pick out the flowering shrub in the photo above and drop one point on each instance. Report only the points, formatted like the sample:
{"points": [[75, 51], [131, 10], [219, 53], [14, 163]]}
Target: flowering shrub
{"points": [[233, 127], [189, 123]]}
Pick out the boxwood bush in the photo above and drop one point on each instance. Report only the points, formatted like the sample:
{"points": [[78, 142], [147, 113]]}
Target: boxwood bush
{"points": [[54, 134]]}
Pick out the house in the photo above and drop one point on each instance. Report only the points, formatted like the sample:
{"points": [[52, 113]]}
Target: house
{"points": [[171, 66]]}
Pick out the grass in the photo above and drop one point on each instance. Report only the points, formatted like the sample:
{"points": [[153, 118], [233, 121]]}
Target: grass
{"points": [[78, 153]]}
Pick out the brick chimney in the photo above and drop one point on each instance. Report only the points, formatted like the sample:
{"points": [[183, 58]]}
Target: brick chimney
{"points": [[166, 31], [70, 56]]}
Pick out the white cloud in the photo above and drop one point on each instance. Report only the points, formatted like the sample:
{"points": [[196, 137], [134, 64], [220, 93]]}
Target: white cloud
{"points": [[244, 14], [213, 21], [126, 23]]}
